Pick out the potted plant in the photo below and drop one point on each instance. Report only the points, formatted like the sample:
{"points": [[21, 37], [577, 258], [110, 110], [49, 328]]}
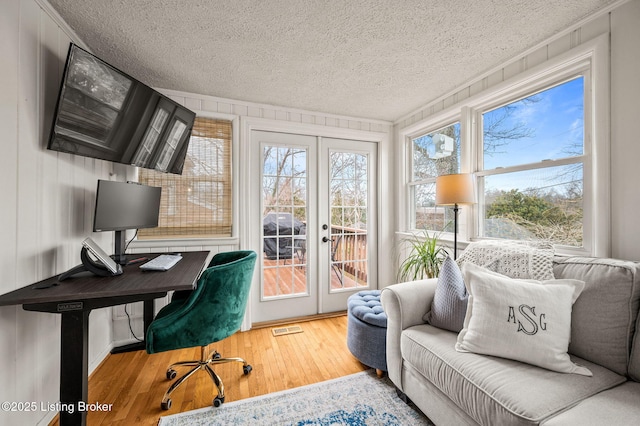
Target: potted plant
{"points": [[424, 259]]}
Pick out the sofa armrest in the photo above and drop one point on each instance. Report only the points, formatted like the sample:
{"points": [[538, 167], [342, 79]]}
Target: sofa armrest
{"points": [[405, 305]]}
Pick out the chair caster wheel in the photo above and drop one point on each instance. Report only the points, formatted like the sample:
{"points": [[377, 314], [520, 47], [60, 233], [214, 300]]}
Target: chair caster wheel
{"points": [[217, 355], [171, 374], [165, 405], [217, 401], [247, 369]]}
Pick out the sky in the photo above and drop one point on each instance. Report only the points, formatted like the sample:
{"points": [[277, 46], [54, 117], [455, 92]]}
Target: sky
{"points": [[555, 121]]}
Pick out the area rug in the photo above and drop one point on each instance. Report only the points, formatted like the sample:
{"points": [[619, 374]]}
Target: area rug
{"points": [[357, 399]]}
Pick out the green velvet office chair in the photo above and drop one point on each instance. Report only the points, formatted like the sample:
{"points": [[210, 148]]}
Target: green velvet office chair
{"points": [[208, 314]]}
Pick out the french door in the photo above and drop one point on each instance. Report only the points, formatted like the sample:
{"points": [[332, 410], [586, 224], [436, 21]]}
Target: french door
{"points": [[317, 221]]}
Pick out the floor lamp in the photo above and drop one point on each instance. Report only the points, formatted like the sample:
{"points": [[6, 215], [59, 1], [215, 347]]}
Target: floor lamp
{"points": [[452, 190]]}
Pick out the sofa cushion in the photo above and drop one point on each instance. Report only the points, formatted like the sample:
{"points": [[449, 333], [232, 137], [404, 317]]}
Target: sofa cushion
{"points": [[604, 316], [496, 390], [525, 320], [515, 259], [618, 406], [449, 304], [634, 363]]}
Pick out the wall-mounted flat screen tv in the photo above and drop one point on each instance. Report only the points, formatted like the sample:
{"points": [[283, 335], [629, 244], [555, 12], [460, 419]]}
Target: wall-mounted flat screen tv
{"points": [[104, 113]]}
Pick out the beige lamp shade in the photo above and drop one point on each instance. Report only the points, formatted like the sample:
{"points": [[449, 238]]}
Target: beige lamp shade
{"points": [[455, 189]]}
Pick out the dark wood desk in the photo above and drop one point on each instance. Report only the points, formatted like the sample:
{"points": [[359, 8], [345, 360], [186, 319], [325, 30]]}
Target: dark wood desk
{"points": [[75, 297]]}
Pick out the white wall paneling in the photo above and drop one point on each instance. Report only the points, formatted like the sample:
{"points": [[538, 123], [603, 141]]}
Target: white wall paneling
{"points": [[46, 209], [625, 130], [9, 13]]}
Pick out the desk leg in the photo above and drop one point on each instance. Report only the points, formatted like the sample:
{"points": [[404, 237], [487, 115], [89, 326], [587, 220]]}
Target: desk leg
{"points": [[149, 307], [74, 366]]}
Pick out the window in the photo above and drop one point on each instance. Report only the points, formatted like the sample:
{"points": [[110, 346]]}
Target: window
{"points": [[531, 167], [198, 203], [538, 145], [433, 154]]}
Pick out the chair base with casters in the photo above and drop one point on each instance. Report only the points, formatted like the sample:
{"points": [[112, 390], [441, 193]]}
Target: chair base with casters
{"points": [[211, 312], [205, 363]]}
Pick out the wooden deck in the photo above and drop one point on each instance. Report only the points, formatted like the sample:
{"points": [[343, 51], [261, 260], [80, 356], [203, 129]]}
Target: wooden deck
{"points": [[282, 277]]}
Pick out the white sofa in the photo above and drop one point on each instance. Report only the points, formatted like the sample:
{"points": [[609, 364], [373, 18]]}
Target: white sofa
{"points": [[455, 388]]}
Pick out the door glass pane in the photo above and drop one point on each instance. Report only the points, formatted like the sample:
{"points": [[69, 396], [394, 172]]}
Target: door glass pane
{"points": [[349, 192], [284, 222]]}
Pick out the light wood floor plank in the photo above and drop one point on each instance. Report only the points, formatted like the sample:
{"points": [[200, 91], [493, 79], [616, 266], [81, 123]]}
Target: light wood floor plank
{"points": [[135, 382]]}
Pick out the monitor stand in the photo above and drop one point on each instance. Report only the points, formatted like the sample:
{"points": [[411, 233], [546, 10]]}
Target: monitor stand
{"points": [[120, 246]]}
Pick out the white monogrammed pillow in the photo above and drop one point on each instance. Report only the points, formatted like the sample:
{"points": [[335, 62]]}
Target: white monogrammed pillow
{"points": [[524, 320]]}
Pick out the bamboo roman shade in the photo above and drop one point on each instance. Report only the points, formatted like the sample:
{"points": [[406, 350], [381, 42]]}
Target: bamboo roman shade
{"points": [[198, 203]]}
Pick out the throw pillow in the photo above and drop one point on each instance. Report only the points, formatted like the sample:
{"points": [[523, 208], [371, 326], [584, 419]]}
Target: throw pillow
{"points": [[449, 304], [524, 320], [515, 259]]}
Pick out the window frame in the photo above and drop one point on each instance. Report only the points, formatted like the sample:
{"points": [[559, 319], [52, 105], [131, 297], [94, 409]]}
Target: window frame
{"points": [[589, 59]]}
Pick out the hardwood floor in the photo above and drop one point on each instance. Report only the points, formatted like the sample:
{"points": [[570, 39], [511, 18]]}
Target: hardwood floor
{"points": [[135, 382]]}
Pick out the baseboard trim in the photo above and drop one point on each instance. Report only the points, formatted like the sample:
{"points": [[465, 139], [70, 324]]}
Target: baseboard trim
{"points": [[267, 324]]}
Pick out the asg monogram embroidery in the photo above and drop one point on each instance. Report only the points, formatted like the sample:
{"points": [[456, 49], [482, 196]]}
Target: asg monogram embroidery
{"points": [[534, 322]]}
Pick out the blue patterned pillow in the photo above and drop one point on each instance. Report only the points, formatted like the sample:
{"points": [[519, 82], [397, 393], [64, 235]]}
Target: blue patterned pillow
{"points": [[449, 304]]}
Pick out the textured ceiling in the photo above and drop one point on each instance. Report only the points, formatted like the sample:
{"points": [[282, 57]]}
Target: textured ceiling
{"points": [[372, 59]]}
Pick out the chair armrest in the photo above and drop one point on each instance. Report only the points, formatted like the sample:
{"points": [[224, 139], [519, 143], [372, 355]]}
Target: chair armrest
{"points": [[405, 305], [408, 302]]}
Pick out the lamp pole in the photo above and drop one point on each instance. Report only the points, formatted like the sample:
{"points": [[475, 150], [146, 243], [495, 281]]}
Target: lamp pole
{"points": [[455, 231]]}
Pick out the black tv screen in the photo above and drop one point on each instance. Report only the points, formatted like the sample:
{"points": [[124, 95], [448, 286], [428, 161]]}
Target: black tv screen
{"points": [[123, 205], [104, 113]]}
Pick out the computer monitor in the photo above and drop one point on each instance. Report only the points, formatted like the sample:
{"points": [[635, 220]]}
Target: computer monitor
{"points": [[125, 205]]}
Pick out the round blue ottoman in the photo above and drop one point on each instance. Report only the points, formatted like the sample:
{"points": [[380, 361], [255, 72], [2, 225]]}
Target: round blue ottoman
{"points": [[367, 329]]}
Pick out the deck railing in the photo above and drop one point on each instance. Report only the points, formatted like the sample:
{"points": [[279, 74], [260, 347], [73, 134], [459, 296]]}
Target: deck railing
{"points": [[350, 251]]}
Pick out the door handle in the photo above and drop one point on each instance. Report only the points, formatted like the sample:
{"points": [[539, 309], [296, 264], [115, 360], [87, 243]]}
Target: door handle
{"points": [[326, 240]]}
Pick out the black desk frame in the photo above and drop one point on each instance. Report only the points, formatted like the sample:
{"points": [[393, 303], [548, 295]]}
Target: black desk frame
{"points": [[74, 357], [94, 293]]}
